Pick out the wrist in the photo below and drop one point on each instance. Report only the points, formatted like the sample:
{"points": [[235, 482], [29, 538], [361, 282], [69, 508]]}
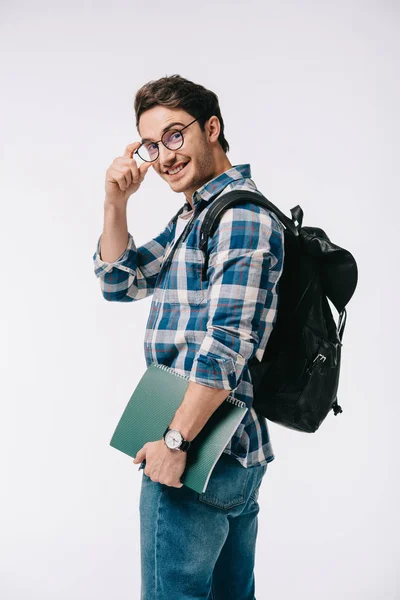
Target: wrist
{"points": [[175, 441]]}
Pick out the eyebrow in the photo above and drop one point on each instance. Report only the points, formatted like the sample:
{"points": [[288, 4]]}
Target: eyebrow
{"points": [[164, 130]]}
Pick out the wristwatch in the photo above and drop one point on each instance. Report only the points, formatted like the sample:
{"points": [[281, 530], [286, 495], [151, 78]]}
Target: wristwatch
{"points": [[175, 440]]}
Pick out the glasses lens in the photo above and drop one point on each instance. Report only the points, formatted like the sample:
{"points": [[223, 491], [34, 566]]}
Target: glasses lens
{"points": [[172, 139], [148, 151]]}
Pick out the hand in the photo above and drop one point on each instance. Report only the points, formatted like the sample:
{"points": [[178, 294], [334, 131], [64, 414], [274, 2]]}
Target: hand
{"points": [[163, 465], [124, 177]]}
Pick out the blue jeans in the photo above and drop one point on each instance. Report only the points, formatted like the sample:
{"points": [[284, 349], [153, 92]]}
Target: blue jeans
{"points": [[201, 546]]}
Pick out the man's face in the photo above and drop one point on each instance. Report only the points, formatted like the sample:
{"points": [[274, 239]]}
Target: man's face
{"points": [[196, 151]]}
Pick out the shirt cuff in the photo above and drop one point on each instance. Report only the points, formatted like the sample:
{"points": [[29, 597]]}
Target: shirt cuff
{"points": [[215, 372], [102, 266]]}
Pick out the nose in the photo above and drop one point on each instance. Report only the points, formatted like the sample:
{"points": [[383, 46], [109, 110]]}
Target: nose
{"points": [[166, 156]]}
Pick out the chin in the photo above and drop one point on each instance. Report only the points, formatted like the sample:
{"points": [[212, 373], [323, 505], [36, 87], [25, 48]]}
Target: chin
{"points": [[182, 185]]}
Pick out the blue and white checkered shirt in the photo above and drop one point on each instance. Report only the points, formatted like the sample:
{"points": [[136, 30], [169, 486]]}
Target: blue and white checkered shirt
{"points": [[208, 330]]}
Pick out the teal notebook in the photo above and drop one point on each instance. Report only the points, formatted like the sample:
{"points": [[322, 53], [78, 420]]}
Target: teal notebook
{"points": [[151, 409]]}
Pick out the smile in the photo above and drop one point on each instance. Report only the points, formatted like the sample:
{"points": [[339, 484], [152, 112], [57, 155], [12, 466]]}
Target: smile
{"points": [[177, 172]]}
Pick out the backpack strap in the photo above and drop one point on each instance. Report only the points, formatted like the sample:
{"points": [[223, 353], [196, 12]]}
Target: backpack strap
{"points": [[297, 215], [342, 323], [218, 206]]}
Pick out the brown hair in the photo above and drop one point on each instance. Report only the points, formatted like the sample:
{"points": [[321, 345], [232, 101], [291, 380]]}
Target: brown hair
{"points": [[177, 92]]}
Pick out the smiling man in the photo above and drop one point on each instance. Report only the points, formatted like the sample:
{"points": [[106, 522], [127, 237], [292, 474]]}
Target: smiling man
{"points": [[196, 545], [191, 166]]}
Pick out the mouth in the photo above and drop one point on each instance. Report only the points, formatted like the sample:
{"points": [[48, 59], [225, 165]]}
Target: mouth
{"points": [[176, 175]]}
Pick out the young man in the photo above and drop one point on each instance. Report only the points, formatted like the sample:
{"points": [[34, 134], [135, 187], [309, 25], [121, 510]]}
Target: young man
{"points": [[196, 545]]}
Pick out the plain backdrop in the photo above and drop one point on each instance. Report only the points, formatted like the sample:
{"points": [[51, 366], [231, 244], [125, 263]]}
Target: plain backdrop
{"points": [[309, 93]]}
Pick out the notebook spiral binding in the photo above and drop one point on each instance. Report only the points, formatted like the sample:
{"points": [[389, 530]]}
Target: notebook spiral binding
{"points": [[229, 399]]}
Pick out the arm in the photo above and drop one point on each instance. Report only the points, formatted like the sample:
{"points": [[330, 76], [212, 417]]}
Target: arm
{"points": [[132, 276], [246, 246], [197, 406]]}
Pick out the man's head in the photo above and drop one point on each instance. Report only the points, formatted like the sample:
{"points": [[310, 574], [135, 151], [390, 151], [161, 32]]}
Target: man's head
{"points": [[159, 104]]}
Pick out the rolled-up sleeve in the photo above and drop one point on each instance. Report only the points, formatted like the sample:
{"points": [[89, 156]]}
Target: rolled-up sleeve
{"points": [[243, 250], [133, 275]]}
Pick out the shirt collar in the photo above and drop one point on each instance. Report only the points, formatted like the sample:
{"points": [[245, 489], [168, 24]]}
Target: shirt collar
{"points": [[212, 188]]}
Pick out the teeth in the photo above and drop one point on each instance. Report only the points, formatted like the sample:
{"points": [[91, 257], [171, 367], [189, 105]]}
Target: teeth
{"points": [[176, 170]]}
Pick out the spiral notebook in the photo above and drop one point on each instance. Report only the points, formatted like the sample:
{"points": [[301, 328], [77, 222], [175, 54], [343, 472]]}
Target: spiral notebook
{"points": [[151, 409]]}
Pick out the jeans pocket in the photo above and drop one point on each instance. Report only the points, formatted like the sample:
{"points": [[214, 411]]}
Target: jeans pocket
{"points": [[255, 493], [227, 486]]}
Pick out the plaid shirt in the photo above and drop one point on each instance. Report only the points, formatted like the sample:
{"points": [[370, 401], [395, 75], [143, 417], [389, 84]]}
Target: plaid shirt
{"points": [[209, 330]]}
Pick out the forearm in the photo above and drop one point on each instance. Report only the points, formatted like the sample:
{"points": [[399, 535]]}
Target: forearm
{"points": [[127, 273], [114, 239], [197, 406]]}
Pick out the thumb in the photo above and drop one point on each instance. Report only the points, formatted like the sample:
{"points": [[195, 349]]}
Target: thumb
{"points": [[139, 456], [144, 168]]}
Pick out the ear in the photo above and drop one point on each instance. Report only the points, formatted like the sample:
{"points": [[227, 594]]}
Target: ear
{"points": [[213, 128]]}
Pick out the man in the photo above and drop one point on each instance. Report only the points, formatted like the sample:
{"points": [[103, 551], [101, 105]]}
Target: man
{"points": [[196, 545]]}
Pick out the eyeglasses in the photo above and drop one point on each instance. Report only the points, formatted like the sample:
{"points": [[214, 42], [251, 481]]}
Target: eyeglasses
{"points": [[172, 139]]}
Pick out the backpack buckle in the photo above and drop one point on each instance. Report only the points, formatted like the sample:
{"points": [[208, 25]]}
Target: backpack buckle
{"points": [[319, 358]]}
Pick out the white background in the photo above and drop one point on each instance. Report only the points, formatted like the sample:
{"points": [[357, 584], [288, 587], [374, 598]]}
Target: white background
{"points": [[309, 93]]}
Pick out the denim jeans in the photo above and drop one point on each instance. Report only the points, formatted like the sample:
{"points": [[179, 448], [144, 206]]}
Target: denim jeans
{"points": [[201, 546]]}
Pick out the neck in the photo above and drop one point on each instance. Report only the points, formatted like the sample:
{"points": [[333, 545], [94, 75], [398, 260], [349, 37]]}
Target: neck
{"points": [[220, 168]]}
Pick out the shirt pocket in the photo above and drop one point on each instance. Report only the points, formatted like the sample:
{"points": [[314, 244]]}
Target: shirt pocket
{"points": [[183, 284]]}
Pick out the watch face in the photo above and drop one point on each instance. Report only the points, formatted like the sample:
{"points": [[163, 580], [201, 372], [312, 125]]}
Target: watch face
{"points": [[173, 439]]}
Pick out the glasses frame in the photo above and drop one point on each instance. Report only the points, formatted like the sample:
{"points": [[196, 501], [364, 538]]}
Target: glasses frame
{"points": [[156, 143]]}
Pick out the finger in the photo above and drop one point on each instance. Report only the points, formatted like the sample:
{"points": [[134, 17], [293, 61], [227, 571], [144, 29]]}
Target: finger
{"points": [[135, 173], [126, 174], [123, 177], [138, 173], [129, 150], [129, 169]]}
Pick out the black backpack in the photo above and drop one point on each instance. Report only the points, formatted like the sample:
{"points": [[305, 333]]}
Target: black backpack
{"points": [[296, 382]]}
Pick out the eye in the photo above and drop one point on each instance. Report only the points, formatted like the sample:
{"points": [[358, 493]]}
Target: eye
{"points": [[172, 137]]}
